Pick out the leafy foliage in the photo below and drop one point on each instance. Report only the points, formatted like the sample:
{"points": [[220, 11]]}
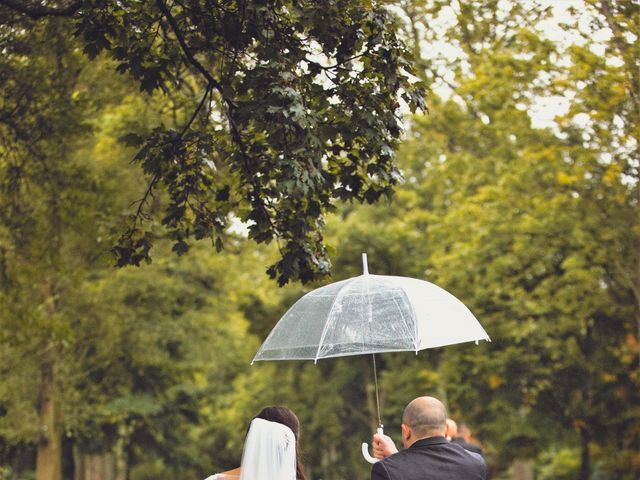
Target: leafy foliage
{"points": [[532, 227], [519, 222], [295, 105]]}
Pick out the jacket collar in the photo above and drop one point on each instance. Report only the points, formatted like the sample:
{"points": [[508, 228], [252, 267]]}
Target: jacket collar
{"points": [[423, 442]]}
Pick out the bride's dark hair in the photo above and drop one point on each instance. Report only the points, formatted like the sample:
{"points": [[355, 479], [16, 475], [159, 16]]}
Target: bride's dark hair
{"points": [[287, 418]]}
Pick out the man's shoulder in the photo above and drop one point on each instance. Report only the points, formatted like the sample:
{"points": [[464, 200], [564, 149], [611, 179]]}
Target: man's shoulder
{"points": [[468, 454], [442, 460], [472, 447]]}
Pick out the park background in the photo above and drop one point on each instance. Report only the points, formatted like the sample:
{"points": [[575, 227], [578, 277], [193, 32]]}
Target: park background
{"points": [[520, 197]]}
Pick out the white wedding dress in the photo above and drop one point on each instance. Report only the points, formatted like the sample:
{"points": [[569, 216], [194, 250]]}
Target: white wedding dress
{"points": [[269, 453]]}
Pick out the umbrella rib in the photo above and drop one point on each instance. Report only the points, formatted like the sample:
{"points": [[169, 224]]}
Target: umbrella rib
{"points": [[330, 320], [414, 337]]}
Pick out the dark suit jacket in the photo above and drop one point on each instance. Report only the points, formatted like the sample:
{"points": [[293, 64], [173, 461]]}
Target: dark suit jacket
{"points": [[467, 446], [432, 458]]}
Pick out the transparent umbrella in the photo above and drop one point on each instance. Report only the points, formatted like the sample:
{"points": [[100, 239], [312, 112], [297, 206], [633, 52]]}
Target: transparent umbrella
{"points": [[370, 314]]}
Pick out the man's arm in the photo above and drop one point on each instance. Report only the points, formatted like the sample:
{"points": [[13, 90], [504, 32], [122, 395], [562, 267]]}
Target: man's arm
{"points": [[379, 472], [482, 462]]}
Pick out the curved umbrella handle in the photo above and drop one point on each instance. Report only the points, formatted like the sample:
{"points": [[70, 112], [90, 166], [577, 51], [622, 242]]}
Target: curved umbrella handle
{"points": [[365, 449]]}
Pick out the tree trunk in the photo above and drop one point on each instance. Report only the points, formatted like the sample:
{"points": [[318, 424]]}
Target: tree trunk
{"points": [[585, 461], [95, 467], [325, 464], [636, 291], [48, 460], [49, 454], [122, 456], [522, 470]]}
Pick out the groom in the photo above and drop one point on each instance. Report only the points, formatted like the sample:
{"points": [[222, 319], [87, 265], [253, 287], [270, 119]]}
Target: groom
{"points": [[427, 455]]}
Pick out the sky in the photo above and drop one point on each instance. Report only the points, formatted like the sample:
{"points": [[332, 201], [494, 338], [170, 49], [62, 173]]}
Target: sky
{"points": [[544, 109]]}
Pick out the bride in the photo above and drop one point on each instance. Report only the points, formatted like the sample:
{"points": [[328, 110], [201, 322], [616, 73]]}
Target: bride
{"points": [[271, 450]]}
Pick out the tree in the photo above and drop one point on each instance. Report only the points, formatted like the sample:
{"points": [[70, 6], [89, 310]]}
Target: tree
{"points": [[53, 205], [519, 222], [607, 93], [533, 228], [153, 354], [40, 121], [295, 105]]}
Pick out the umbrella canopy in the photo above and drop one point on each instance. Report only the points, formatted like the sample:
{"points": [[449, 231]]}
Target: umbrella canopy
{"points": [[370, 314]]}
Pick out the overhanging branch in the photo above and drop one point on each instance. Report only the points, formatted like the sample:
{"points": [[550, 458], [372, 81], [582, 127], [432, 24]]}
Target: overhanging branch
{"points": [[185, 48]]}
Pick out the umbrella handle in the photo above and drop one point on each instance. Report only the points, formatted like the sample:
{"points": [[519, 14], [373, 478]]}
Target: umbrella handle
{"points": [[365, 449]]}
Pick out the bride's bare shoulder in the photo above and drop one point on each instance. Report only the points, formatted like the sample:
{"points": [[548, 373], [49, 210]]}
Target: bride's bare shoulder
{"points": [[228, 475]]}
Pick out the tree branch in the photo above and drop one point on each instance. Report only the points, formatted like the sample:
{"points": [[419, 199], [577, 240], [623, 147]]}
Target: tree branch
{"points": [[195, 113], [235, 131], [185, 48], [142, 202], [39, 11]]}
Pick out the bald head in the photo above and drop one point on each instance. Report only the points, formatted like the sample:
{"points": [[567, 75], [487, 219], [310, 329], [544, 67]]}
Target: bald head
{"points": [[452, 429], [425, 416], [464, 432]]}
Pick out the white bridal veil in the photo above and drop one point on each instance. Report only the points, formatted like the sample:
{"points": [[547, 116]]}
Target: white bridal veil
{"points": [[269, 452]]}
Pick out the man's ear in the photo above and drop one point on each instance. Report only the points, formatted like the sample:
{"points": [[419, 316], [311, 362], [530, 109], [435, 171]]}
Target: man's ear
{"points": [[446, 431], [406, 432]]}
